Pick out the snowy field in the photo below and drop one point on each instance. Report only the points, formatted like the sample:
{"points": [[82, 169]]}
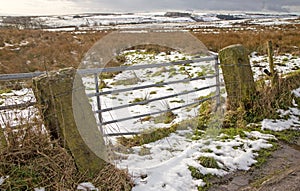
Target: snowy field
{"points": [[134, 78], [164, 164], [154, 20], [156, 165]]}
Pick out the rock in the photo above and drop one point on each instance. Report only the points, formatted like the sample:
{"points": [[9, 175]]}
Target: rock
{"points": [[69, 118]]}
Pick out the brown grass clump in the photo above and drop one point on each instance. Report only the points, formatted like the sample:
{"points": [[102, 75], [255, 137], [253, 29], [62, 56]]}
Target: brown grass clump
{"points": [[37, 50], [38, 162], [254, 37], [147, 137], [266, 102]]}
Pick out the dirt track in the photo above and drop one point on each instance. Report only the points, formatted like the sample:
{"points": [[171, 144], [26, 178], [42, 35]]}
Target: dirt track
{"points": [[280, 173]]}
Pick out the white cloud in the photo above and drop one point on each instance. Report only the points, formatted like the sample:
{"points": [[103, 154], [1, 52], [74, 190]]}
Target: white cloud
{"points": [[38, 7], [293, 8], [46, 7]]}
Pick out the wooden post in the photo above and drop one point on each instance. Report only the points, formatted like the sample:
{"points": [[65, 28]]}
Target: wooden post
{"points": [[56, 95], [270, 56], [238, 76], [274, 74]]}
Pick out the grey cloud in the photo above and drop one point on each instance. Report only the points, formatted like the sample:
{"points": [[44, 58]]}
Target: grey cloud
{"points": [[147, 5]]}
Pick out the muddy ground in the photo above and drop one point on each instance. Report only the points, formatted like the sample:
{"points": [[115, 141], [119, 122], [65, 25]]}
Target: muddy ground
{"points": [[281, 172]]}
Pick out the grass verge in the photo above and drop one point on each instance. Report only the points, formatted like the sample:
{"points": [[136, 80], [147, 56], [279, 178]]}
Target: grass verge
{"points": [[36, 162], [147, 137]]}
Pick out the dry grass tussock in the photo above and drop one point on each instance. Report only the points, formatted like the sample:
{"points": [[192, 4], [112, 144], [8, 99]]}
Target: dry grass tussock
{"points": [[37, 50], [34, 161], [265, 103], [285, 38]]}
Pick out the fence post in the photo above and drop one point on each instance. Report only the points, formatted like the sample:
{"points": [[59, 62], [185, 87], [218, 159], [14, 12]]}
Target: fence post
{"points": [[218, 92], [274, 74], [238, 76], [98, 102], [55, 94], [270, 56], [3, 143]]}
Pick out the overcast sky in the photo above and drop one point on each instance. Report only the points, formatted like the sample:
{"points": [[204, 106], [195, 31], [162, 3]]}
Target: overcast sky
{"points": [[46, 7]]}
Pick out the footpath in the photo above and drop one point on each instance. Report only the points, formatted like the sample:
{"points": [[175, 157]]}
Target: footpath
{"points": [[281, 172]]}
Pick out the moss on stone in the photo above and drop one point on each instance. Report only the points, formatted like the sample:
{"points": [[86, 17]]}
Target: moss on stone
{"points": [[238, 76], [3, 142], [66, 112]]}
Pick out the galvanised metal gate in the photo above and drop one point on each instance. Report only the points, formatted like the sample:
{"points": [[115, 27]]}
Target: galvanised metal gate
{"points": [[99, 93], [96, 71]]}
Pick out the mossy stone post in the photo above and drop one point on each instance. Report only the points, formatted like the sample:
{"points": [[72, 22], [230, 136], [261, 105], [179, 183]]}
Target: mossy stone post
{"points": [[3, 143], [54, 93], [238, 76]]}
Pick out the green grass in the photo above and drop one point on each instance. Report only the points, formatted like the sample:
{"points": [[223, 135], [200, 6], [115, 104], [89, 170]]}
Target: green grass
{"points": [[288, 136], [172, 73], [232, 132], [147, 136], [166, 117], [153, 92], [207, 69], [200, 74], [212, 132], [135, 100], [188, 123], [285, 59], [5, 91], [127, 82], [107, 75], [23, 177], [207, 151], [208, 162], [102, 85], [144, 151], [196, 174], [177, 101], [170, 89], [264, 154], [265, 103]]}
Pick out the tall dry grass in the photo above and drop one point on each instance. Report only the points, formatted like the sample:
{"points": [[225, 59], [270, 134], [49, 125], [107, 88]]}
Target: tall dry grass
{"points": [[37, 50], [31, 160], [285, 38], [266, 102], [54, 50]]}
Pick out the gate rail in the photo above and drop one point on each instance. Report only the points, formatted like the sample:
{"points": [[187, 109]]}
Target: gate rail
{"points": [[98, 93]]}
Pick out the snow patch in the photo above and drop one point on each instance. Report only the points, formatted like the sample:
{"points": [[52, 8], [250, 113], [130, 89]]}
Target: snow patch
{"points": [[293, 121], [39, 189], [86, 186], [2, 179], [296, 92], [154, 172]]}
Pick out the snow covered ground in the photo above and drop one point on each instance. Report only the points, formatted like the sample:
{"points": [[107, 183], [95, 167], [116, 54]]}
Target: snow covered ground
{"points": [[292, 121], [17, 116], [164, 164], [283, 64], [153, 20], [131, 79]]}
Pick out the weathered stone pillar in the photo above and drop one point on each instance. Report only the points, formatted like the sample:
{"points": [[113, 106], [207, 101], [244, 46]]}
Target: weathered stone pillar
{"points": [[3, 143], [238, 76], [55, 94]]}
